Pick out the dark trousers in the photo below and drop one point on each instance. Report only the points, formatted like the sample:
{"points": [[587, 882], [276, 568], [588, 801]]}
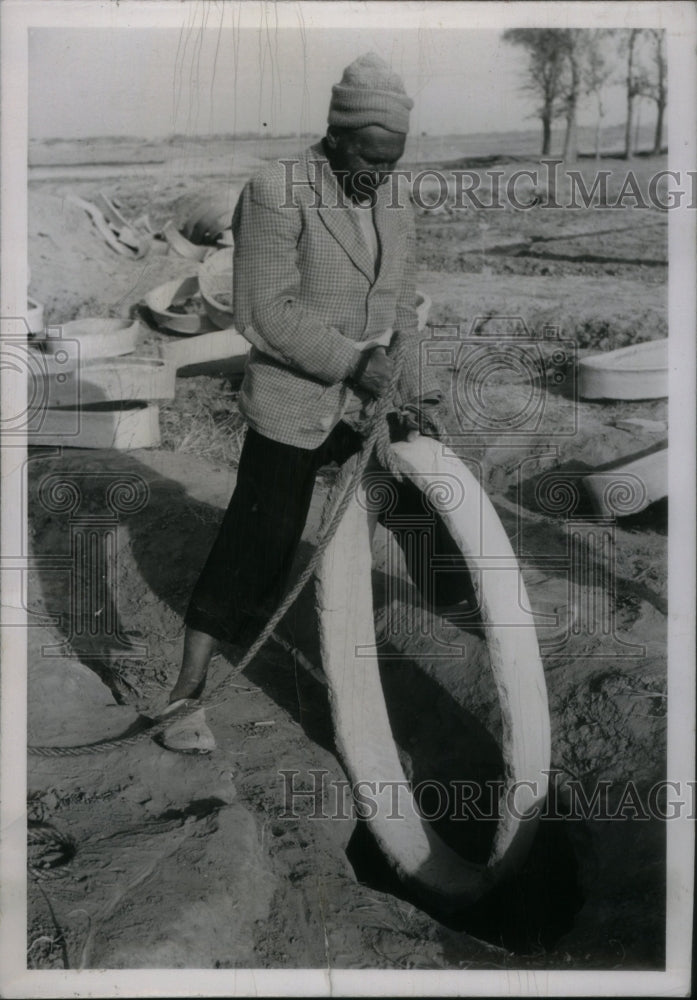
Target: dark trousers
{"points": [[247, 571]]}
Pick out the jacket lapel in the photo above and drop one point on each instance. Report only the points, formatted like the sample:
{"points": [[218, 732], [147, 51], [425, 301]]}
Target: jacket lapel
{"points": [[386, 228], [339, 219]]}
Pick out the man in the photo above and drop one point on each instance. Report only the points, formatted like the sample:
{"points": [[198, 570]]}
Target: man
{"points": [[324, 272]]}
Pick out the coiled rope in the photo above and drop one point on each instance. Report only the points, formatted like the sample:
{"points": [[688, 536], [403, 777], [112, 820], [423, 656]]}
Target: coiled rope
{"points": [[378, 440]]}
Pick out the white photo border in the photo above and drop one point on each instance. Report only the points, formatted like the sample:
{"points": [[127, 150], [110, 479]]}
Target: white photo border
{"points": [[680, 21]]}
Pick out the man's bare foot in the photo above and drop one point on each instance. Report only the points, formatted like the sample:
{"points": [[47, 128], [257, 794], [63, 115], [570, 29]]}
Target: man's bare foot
{"points": [[188, 733]]}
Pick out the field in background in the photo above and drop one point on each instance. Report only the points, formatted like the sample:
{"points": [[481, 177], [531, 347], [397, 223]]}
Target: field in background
{"points": [[599, 277], [111, 151]]}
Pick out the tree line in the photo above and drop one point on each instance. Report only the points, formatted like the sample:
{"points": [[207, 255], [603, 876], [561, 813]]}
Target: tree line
{"points": [[567, 64]]}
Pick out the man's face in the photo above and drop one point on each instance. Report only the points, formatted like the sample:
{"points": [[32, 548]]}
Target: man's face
{"points": [[363, 158]]}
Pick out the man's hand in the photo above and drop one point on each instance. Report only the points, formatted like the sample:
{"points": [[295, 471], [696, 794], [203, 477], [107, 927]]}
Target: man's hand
{"points": [[424, 416], [374, 371]]}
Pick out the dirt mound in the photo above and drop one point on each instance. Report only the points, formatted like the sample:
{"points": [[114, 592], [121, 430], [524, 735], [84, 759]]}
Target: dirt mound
{"points": [[75, 273]]}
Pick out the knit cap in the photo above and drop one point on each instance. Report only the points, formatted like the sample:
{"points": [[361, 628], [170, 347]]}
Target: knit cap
{"points": [[369, 93]]}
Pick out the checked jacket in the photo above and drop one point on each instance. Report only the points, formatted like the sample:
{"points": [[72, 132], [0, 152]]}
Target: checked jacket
{"points": [[307, 295]]}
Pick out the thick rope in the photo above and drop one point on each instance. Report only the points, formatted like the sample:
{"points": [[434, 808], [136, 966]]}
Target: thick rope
{"points": [[349, 479]]}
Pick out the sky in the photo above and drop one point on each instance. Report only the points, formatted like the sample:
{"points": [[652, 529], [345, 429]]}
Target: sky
{"points": [[204, 78]]}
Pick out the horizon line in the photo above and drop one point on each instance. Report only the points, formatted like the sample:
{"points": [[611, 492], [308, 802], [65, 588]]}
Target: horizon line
{"points": [[247, 134]]}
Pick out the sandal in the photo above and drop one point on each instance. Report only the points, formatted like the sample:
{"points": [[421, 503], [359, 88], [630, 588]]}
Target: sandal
{"points": [[188, 734]]}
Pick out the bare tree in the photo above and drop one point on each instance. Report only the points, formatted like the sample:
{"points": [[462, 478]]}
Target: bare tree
{"points": [[597, 71], [573, 44], [545, 48], [656, 83], [557, 73], [636, 81]]}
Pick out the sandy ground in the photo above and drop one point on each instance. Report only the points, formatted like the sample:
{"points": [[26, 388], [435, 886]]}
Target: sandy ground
{"points": [[170, 861]]}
